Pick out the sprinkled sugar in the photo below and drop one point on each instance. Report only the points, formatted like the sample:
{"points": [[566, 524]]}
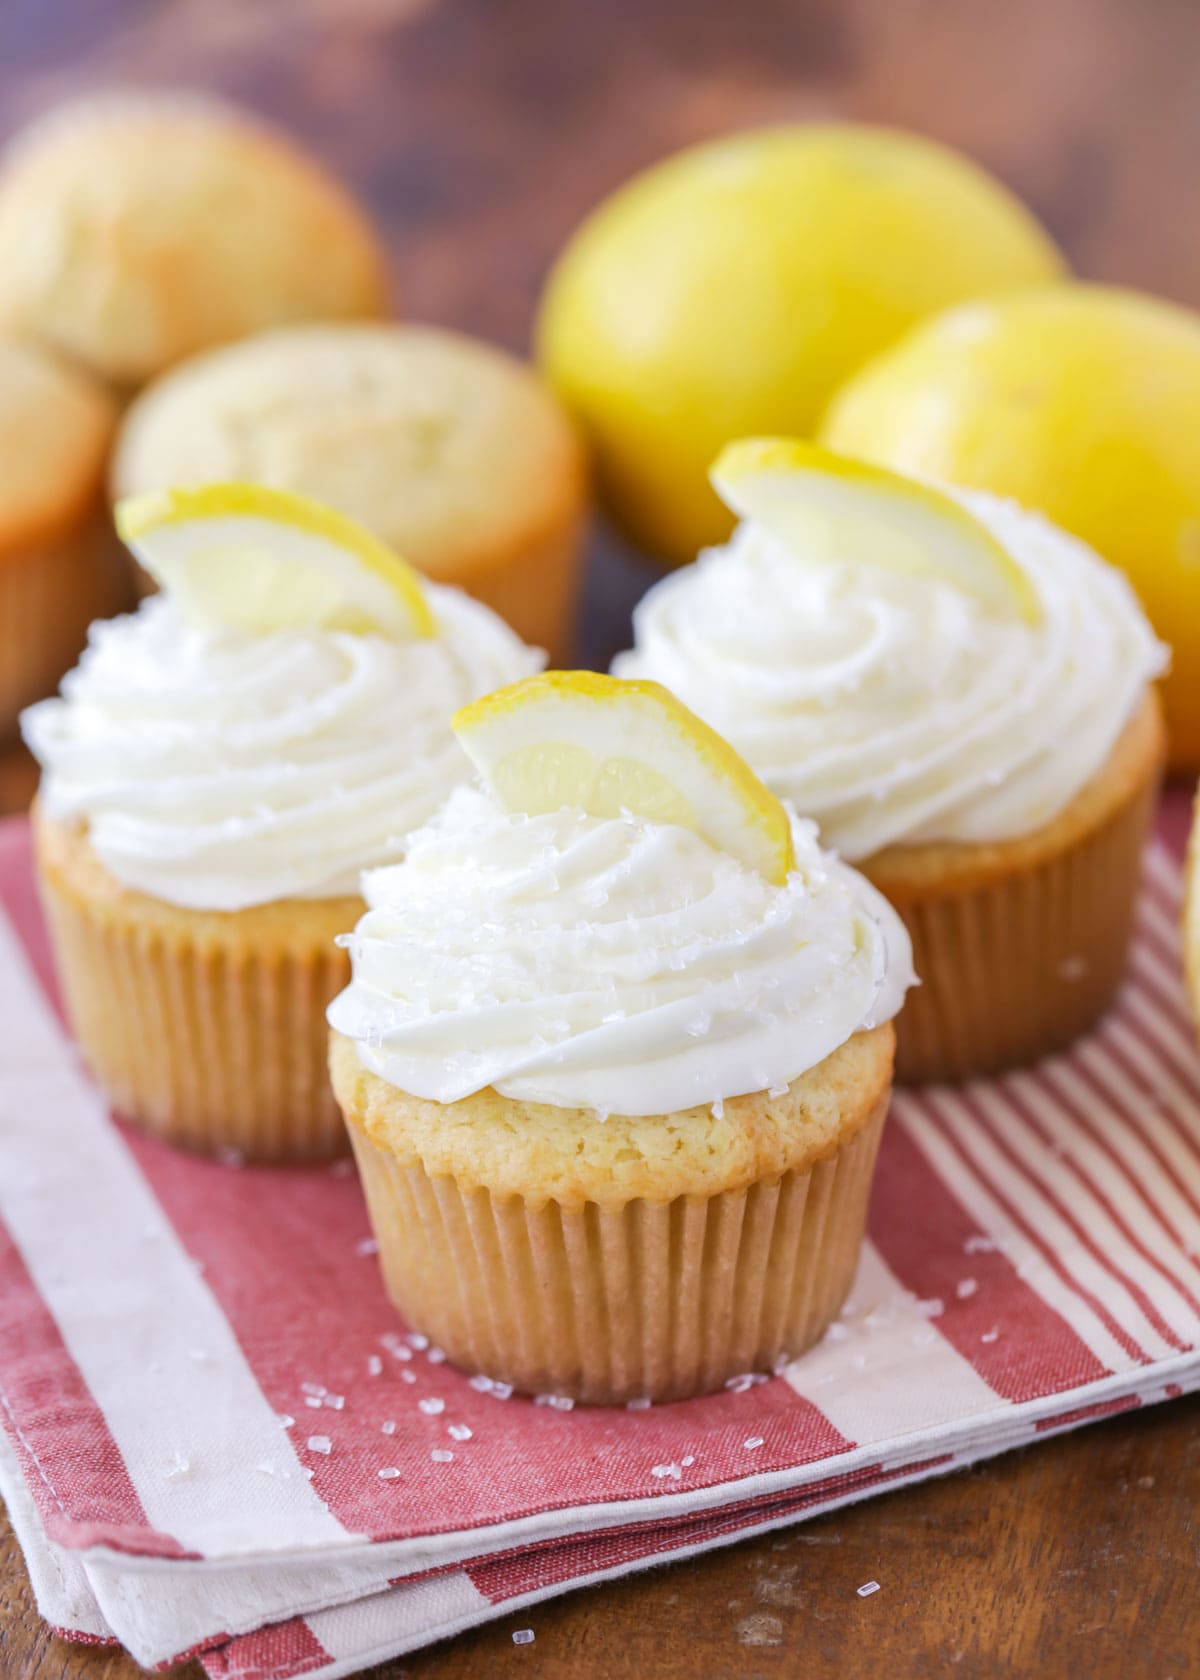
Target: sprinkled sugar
{"points": [[523, 1636], [388, 1473], [460, 1431], [745, 1380], [867, 1588], [320, 1444], [431, 1407], [441, 1455]]}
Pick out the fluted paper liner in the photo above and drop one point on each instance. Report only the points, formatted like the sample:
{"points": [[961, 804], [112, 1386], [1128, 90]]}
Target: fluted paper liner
{"points": [[217, 1046], [1017, 968], [659, 1300]]}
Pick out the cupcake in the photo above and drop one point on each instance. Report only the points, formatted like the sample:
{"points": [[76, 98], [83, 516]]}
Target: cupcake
{"points": [[961, 696], [59, 565], [451, 452], [218, 769], [616, 1054], [140, 228]]}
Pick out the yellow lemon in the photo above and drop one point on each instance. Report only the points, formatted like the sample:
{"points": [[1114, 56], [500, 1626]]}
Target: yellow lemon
{"points": [[1082, 401], [731, 289], [605, 745], [831, 507], [244, 557]]}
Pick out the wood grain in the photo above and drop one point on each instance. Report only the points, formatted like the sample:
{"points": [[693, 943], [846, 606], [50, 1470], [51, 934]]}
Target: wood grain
{"points": [[481, 130]]}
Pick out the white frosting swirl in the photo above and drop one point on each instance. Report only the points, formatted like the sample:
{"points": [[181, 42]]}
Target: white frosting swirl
{"points": [[609, 963], [897, 708], [218, 770]]}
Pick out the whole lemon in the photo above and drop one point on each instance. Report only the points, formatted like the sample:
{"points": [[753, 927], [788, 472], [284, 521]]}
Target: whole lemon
{"points": [[1083, 401], [729, 290]]}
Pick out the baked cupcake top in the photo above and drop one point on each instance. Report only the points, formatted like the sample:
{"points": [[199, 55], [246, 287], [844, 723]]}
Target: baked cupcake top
{"points": [[139, 228], [447, 448], [606, 958], [56, 425], [887, 698], [222, 764]]}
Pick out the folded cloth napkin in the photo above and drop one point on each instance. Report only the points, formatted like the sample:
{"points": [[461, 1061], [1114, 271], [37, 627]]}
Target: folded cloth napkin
{"points": [[218, 1438]]}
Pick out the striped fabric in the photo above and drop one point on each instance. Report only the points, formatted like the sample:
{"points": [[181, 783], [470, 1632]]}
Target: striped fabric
{"points": [[217, 1438]]}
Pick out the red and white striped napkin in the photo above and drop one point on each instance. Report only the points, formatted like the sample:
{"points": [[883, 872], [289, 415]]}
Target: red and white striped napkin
{"points": [[218, 1438]]}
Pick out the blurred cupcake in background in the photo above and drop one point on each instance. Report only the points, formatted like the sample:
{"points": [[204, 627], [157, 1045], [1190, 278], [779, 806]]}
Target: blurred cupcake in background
{"points": [[221, 765], [60, 565], [452, 452], [961, 695], [139, 228]]}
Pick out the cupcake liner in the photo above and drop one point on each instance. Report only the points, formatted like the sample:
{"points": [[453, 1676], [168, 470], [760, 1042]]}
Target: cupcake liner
{"points": [[655, 1300], [49, 594], [1016, 968], [214, 1044]]}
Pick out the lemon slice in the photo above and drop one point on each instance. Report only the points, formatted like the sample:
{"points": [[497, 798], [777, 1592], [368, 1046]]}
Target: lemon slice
{"points": [[605, 745], [243, 557], [832, 507]]}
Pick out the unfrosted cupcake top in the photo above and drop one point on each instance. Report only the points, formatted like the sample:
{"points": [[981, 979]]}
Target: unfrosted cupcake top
{"points": [[894, 707], [612, 963], [139, 227], [449, 449], [218, 769]]}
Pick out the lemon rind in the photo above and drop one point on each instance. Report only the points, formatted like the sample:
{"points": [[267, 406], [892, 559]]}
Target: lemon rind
{"points": [[138, 516], [762, 809], [750, 457]]}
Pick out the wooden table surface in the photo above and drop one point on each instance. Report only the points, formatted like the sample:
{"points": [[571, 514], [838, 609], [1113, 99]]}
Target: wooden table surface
{"points": [[481, 130]]}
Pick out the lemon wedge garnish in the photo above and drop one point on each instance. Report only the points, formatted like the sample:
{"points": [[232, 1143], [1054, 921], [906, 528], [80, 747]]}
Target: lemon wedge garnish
{"points": [[605, 745], [832, 507], [244, 557]]}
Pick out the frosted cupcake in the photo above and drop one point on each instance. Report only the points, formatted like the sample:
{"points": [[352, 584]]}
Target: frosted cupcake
{"points": [[961, 696], [616, 1054], [219, 768]]}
